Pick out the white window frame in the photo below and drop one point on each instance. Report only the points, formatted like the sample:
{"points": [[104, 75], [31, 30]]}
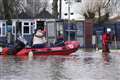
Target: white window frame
{"points": [[33, 27], [29, 26], [13, 28], [1, 26]]}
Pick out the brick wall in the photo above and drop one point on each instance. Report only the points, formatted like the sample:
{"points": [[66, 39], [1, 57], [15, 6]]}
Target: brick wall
{"points": [[88, 30]]}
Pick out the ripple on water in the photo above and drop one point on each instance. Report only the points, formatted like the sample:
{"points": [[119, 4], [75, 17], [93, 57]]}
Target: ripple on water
{"points": [[80, 66]]}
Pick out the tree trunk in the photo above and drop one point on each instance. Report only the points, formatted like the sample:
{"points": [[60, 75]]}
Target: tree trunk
{"points": [[99, 15], [60, 8], [55, 8], [8, 6], [6, 9]]}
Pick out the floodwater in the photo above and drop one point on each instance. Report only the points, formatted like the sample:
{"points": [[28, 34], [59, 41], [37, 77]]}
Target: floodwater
{"points": [[79, 66]]}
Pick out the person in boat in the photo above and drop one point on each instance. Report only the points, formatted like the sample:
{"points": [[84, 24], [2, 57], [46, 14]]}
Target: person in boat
{"points": [[39, 40], [19, 44], [60, 39]]}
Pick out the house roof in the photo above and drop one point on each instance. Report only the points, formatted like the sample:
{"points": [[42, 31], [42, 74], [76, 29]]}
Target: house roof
{"points": [[44, 14], [24, 15]]}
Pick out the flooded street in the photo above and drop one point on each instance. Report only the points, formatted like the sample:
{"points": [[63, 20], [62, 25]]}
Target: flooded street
{"points": [[79, 66]]}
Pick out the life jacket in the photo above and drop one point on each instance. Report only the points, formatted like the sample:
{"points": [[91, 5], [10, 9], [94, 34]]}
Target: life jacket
{"points": [[105, 38]]}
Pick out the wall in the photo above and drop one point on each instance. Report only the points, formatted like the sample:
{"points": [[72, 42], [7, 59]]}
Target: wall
{"points": [[88, 32]]}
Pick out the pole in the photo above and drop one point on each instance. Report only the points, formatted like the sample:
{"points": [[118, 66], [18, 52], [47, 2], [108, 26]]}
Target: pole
{"points": [[60, 8], [115, 38], [69, 19], [115, 42], [69, 10]]}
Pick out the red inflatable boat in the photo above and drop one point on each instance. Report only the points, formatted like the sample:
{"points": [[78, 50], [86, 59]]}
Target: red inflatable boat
{"points": [[70, 47]]}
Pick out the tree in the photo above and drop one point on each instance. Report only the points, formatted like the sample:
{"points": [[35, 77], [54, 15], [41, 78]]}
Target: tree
{"points": [[88, 9], [18, 8], [114, 7], [1, 9], [55, 8], [6, 6], [34, 7], [102, 7], [93, 8], [11, 8]]}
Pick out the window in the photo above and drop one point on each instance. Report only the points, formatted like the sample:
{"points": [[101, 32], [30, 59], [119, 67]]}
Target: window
{"points": [[2, 29], [26, 29], [40, 24], [26, 23], [59, 28]]}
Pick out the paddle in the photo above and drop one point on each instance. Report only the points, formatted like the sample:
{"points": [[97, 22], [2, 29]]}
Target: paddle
{"points": [[58, 43]]}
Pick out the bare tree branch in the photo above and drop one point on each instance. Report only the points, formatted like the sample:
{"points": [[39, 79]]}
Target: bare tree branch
{"points": [[35, 6]]}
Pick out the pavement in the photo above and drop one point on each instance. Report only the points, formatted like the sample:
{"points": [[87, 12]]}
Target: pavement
{"points": [[111, 50]]}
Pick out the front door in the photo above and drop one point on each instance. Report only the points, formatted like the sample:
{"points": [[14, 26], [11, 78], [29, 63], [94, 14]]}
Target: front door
{"points": [[40, 25]]}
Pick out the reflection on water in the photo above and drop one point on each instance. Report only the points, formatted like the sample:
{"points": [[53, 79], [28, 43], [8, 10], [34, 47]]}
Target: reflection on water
{"points": [[81, 66]]}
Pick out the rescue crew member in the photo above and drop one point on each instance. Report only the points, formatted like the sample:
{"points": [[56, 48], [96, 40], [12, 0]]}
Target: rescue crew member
{"points": [[105, 42], [105, 46]]}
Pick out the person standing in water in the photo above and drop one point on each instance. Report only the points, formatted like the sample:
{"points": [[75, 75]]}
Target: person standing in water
{"points": [[105, 42], [105, 46]]}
